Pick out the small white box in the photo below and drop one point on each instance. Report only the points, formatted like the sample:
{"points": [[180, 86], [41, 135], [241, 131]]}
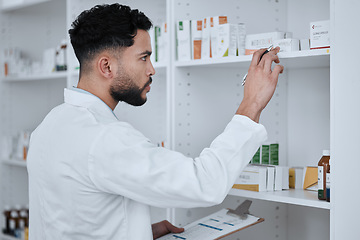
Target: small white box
{"points": [[320, 34], [196, 37], [153, 47], [205, 41], [281, 178], [254, 42], [287, 45], [270, 179], [162, 44], [241, 36], [48, 60], [226, 40], [183, 40], [304, 44], [214, 34], [296, 177], [252, 178]]}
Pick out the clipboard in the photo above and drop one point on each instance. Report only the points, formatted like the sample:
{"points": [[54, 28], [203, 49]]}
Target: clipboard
{"points": [[218, 225]]}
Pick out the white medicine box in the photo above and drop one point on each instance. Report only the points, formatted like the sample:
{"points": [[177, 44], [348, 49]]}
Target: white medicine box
{"points": [[320, 34]]}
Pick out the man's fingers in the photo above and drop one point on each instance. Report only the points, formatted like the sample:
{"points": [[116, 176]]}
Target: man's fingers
{"points": [[277, 70], [172, 228], [256, 57], [266, 62]]}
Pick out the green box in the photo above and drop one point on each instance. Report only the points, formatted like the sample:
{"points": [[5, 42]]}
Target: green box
{"points": [[265, 154], [157, 35], [256, 158], [274, 154]]}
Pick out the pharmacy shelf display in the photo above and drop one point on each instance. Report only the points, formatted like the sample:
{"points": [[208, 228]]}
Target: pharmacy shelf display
{"points": [[51, 76], [292, 196], [15, 162], [31, 30], [208, 91], [301, 59]]}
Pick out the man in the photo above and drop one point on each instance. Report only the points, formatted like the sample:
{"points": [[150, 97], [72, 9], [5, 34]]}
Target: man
{"points": [[94, 177]]}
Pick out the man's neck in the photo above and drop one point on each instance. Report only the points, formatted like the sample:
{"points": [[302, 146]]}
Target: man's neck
{"points": [[98, 90]]}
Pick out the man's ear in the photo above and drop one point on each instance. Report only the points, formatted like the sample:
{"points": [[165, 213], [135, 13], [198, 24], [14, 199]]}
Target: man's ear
{"points": [[106, 66]]}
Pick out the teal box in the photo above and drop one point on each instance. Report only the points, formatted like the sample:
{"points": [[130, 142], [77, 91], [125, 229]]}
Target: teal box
{"points": [[265, 154], [256, 158], [274, 154]]}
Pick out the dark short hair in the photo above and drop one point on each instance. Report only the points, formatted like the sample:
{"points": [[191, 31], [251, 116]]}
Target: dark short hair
{"points": [[105, 27]]}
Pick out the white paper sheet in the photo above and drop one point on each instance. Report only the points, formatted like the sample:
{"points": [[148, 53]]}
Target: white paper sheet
{"points": [[211, 227]]}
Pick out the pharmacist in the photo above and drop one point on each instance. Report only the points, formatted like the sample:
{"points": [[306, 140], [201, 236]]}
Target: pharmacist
{"points": [[92, 176]]}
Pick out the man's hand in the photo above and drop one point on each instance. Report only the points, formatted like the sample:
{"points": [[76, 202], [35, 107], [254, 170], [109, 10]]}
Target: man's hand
{"points": [[260, 84], [162, 228]]}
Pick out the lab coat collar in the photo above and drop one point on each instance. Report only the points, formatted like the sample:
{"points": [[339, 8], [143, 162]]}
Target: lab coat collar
{"points": [[91, 102]]}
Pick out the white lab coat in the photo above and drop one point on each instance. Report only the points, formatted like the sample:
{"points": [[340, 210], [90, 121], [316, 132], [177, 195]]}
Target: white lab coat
{"points": [[92, 176]]}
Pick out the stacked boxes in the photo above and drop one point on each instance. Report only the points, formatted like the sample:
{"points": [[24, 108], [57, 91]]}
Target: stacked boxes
{"points": [[205, 39], [267, 154], [226, 40], [183, 40], [159, 43], [211, 37], [215, 22], [261, 178], [255, 42]]}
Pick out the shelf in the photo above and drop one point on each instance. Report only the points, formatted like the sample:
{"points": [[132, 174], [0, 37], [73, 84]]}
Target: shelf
{"points": [[25, 4], [7, 237], [301, 59], [55, 75], [15, 162], [292, 196]]}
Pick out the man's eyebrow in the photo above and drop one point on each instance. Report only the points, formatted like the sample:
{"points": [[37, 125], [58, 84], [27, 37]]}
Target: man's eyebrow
{"points": [[146, 53]]}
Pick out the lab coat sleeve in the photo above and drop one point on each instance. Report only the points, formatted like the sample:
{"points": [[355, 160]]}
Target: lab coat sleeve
{"points": [[122, 161]]}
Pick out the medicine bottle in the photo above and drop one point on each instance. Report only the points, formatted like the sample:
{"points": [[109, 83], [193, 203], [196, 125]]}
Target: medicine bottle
{"points": [[13, 224], [323, 166], [7, 212], [328, 182]]}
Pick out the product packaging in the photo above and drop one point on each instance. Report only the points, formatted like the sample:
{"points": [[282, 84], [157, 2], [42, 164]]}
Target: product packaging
{"points": [[310, 178], [296, 177], [287, 45], [214, 34], [241, 36], [226, 40], [183, 40], [254, 42], [320, 34], [196, 37], [252, 178], [205, 39]]}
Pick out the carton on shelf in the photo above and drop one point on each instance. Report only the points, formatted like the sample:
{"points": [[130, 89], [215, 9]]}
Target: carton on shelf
{"points": [[254, 42], [205, 39], [196, 37], [320, 34], [287, 45], [183, 40], [214, 23], [252, 178], [226, 40]]}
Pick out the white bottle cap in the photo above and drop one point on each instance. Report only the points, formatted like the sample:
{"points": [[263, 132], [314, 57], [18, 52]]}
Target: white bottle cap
{"points": [[326, 152]]}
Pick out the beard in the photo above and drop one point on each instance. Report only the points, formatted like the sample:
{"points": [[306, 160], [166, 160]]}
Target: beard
{"points": [[124, 89]]}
